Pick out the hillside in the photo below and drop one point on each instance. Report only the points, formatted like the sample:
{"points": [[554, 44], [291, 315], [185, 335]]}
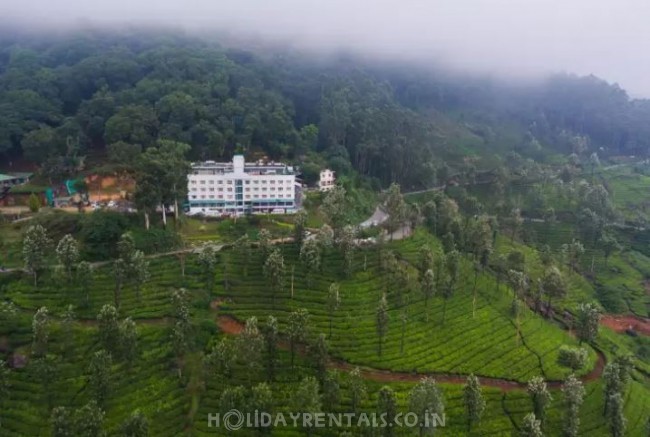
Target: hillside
{"points": [[507, 290], [102, 94]]}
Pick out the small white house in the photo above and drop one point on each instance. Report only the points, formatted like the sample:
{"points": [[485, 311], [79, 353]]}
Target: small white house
{"points": [[327, 180]]}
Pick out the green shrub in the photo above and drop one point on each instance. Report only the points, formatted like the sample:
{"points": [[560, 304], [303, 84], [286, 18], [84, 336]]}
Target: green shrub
{"points": [[155, 240], [611, 300], [34, 203], [100, 232]]}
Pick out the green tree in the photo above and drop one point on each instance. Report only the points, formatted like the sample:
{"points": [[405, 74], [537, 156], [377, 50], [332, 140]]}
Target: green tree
{"points": [[67, 253], [357, 389], [452, 270], [474, 402], [40, 332], [334, 208], [395, 207], [540, 397], [270, 333], [109, 329], [333, 303], [447, 214], [148, 194], [530, 426], [307, 139], [387, 407], [310, 256], [243, 250], [298, 321], [46, 372], [67, 325], [346, 245], [37, 144], [274, 272], [261, 400], [264, 241], [85, 275], [613, 384], [133, 124], [572, 358], [181, 330], [176, 168], [35, 246], [572, 253], [5, 385], [519, 283], [123, 154], [221, 358], [34, 203], [516, 221], [99, 375], [403, 317], [480, 236], [574, 394], [299, 224], [325, 237], [426, 399], [232, 398], [249, 345], [207, 259], [306, 397], [553, 285], [128, 340], [587, 322], [430, 212], [136, 425], [88, 420], [428, 287], [331, 390], [120, 274], [62, 422], [616, 415], [381, 321], [609, 245], [319, 354], [139, 271], [626, 365], [426, 260]]}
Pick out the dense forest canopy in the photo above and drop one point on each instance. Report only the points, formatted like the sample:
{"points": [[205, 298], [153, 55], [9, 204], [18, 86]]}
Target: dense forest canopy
{"points": [[63, 96]]}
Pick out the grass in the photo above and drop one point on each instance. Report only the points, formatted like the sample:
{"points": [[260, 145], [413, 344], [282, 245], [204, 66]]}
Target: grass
{"points": [[484, 344]]}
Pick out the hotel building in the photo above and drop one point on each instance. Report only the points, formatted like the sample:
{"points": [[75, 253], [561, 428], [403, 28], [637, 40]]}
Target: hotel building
{"points": [[238, 187]]}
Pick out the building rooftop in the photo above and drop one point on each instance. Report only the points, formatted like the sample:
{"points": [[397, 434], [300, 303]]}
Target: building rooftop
{"points": [[12, 176], [259, 167]]}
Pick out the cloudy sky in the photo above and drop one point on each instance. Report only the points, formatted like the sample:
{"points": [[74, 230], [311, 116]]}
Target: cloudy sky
{"points": [[511, 38]]}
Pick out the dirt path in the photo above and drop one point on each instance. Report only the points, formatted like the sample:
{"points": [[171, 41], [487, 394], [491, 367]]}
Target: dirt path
{"points": [[621, 323], [217, 248], [230, 325]]}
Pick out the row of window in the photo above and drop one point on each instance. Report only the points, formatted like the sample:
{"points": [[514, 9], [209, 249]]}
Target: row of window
{"points": [[246, 182], [229, 190], [254, 205], [247, 196]]}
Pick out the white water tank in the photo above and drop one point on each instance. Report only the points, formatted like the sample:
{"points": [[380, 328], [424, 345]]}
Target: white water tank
{"points": [[238, 164]]}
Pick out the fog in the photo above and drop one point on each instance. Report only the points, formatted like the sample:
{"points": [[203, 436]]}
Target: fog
{"points": [[508, 38]]}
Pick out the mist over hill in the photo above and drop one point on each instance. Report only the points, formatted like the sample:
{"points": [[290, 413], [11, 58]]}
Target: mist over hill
{"points": [[386, 119]]}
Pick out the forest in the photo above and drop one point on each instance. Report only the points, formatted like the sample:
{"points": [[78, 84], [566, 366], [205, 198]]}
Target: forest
{"points": [[80, 94]]}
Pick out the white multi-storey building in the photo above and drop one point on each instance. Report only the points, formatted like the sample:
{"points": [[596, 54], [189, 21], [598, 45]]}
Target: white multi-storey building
{"points": [[238, 187], [327, 180]]}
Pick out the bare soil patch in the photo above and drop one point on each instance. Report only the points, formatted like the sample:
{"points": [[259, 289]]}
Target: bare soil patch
{"points": [[621, 323]]}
